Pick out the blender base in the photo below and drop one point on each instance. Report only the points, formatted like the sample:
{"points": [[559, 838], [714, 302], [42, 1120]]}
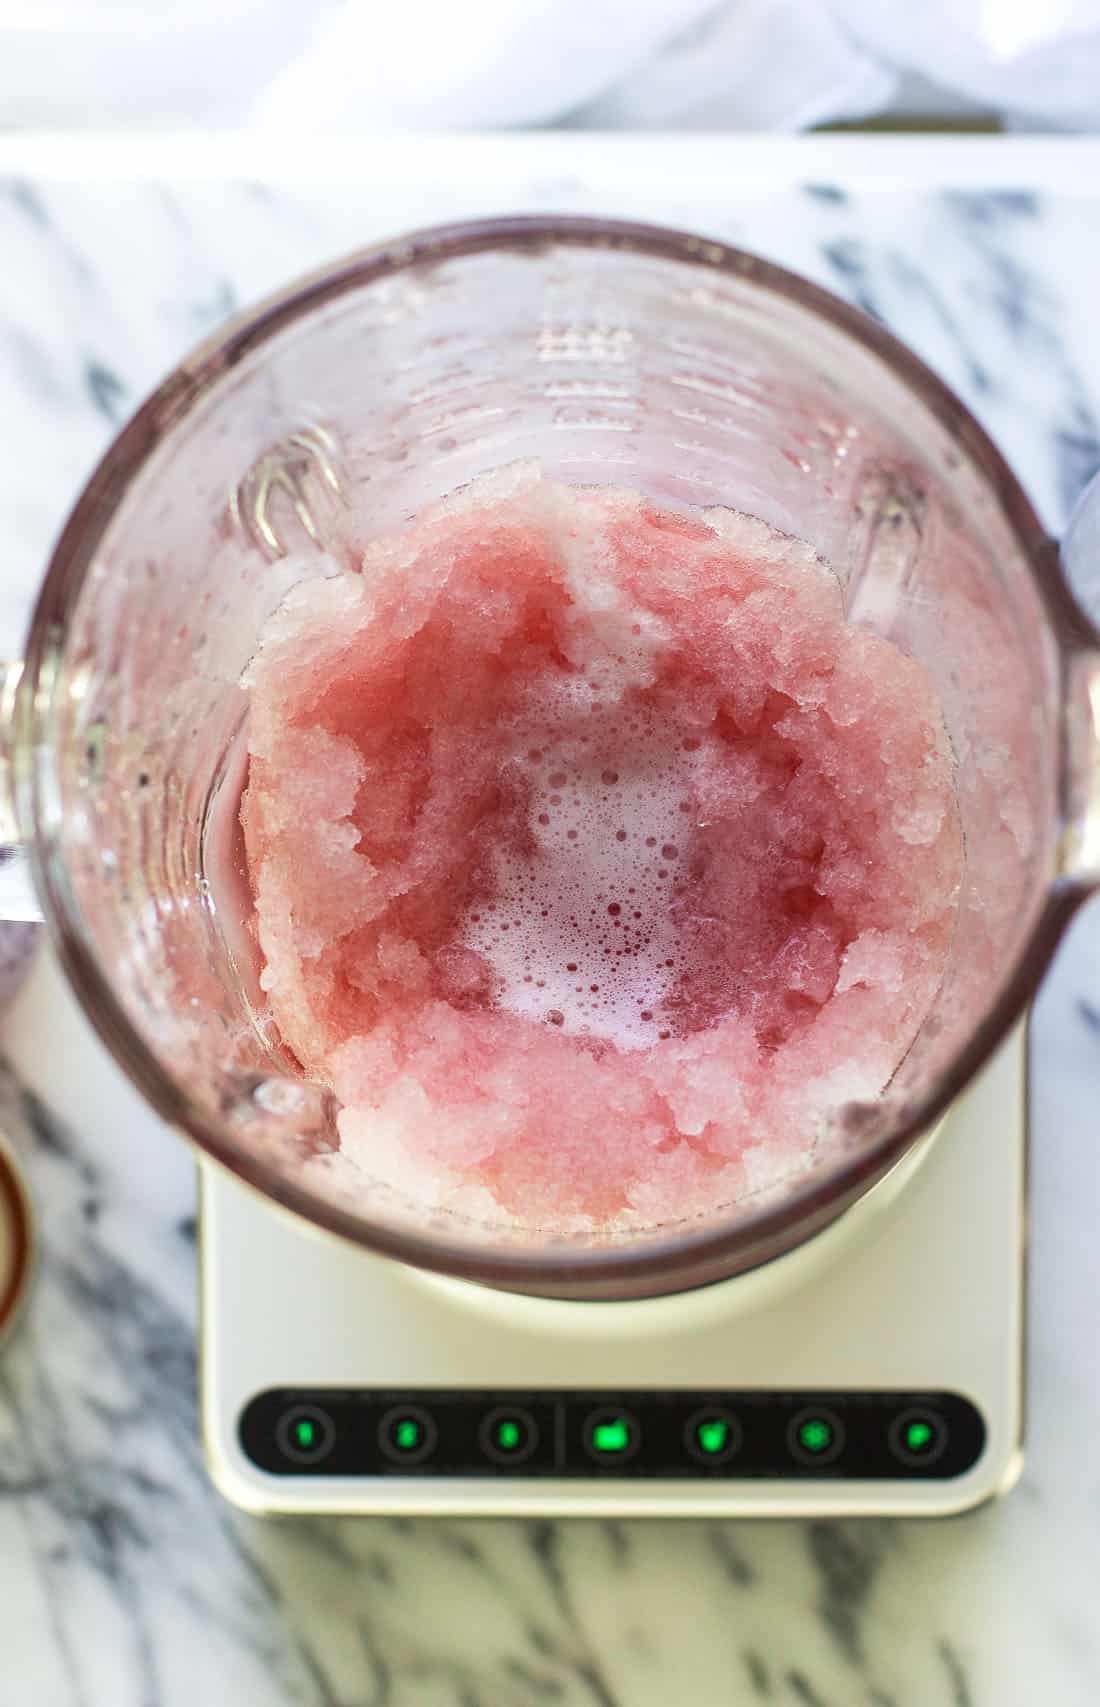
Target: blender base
{"points": [[876, 1370]]}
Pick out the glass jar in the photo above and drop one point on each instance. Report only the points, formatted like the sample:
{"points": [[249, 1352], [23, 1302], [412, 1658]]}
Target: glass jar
{"points": [[613, 353]]}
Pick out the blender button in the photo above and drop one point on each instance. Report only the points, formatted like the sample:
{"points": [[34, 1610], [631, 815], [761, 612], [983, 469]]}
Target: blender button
{"points": [[407, 1434], [611, 1436], [305, 1434], [815, 1437], [918, 1437], [713, 1435], [508, 1435]]}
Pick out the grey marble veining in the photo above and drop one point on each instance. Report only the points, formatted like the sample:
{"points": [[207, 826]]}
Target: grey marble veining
{"points": [[124, 1579]]}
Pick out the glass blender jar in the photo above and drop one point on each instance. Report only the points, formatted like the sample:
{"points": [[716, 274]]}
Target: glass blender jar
{"points": [[612, 353]]}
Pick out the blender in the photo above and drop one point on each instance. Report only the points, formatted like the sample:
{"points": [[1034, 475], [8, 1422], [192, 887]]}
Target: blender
{"points": [[847, 1340]]}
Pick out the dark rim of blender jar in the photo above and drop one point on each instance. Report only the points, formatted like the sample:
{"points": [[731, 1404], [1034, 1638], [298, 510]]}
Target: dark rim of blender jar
{"points": [[655, 1267], [13, 1294]]}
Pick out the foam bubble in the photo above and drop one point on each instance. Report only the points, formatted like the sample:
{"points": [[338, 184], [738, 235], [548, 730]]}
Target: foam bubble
{"points": [[555, 884]]}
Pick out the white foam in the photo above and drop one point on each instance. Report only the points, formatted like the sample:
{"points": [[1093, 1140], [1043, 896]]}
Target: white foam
{"points": [[579, 931]]}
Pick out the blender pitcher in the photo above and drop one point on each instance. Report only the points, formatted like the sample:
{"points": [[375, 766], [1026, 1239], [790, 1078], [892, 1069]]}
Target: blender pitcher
{"points": [[615, 354]]}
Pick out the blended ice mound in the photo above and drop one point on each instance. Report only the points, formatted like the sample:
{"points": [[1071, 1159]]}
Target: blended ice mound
{"points": [[596, 860]]}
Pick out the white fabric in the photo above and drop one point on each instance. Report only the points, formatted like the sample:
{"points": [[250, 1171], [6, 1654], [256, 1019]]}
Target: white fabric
{"points": [[167, 63], [755, 65], [1036, 59], [404, 64], [770, 64]]}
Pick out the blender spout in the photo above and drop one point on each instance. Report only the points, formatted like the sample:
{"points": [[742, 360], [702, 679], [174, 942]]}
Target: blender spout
{"points": [[1080, 560], [1079, 854], [18, 899], [1080, 551]]}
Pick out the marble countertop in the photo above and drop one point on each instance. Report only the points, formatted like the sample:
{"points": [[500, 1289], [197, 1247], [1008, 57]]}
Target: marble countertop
{"points": [[124, 1580]]}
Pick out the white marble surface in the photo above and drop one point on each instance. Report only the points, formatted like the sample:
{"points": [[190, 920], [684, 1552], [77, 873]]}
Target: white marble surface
{"points": [[124, 1580]]}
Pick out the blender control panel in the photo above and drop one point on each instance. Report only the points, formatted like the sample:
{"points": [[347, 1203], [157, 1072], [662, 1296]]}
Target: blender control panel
{"points": [[367, 1432]]}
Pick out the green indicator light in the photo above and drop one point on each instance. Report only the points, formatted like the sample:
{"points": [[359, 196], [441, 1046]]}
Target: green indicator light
{"points": [[613, 1436], [406, 1434], [304, 1434], [815, 1435], [508, 1436], [713, 1434], [919, 1438]]}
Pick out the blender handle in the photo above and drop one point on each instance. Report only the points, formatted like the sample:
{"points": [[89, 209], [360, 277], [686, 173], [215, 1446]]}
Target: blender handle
{"points": [[18, 899], [1081, 550], [1080, 560]]}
